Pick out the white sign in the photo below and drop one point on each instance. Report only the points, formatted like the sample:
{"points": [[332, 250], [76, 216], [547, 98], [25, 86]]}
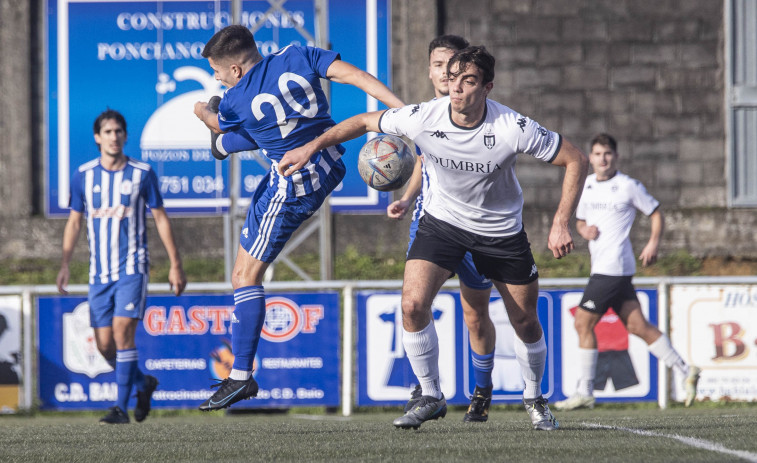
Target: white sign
{"points": [[384, 350], [615, 376], [80, 353], [715, 328]]}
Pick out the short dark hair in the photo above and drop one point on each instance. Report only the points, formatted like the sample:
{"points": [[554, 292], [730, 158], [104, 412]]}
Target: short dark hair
{"points": [[231, 41], [453, 42], [109, 114], [604, 139], [476, 55]]}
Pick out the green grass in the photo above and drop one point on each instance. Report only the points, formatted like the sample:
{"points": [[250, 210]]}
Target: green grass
{"points": [[190, 436], [350, 264]]}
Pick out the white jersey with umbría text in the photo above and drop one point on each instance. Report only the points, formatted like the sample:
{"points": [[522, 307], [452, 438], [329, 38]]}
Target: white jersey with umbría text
{"points": [[611, 206], [471, 170]]}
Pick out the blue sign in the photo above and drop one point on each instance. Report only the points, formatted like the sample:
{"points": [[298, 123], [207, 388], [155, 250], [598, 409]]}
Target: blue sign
{"points": [[185, 343], [385, 376], [144, 59]]}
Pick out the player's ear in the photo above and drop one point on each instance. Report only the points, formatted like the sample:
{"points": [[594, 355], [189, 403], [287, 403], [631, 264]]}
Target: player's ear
{"points": [[236, 70], [489, 87]]}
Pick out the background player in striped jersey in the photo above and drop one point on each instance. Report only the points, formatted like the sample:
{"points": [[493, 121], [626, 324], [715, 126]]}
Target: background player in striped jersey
{"points": [[605, 216], [475, 289], [114, 191], [277, 103], [474, 205]]}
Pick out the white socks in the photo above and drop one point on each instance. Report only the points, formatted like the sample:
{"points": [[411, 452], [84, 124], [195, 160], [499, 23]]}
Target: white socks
{"points": [[422, 350], [240, 375], [663, 350], [587, 368], [532, 359]]}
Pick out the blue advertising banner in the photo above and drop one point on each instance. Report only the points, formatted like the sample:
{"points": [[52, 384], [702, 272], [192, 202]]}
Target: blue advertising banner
{"points": [[143, 58], [385, 376], [185, 343], [384, 373]]}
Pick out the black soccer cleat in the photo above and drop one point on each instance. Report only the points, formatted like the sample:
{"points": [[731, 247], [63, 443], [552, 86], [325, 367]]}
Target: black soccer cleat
{"points": [[115, 416], [478, 410], [415, 396], [229, 392], [144, 398]]}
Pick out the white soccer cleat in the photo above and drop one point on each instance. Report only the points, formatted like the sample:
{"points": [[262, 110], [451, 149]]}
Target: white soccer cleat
{"points": [[576, 401], [690, 385]]}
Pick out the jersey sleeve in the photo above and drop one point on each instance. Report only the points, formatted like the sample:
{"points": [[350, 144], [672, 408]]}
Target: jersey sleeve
{"points": [[151, 190], [407, 121], [76, 198], [581, 209], [535, 140], [320, 59], [238, 140], [641, 199], [228, 119]]}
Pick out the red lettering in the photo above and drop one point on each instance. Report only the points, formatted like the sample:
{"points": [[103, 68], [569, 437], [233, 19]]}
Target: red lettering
{"points": [[155, 320], [198, 323], [218, 316], [313, 313], [728, 338], [177, 324]]}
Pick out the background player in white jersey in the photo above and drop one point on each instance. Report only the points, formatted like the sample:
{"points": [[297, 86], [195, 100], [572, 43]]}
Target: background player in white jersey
{"points": [[115, 191], [475, 289], [474, 205], [605, 216], [277, 103]]}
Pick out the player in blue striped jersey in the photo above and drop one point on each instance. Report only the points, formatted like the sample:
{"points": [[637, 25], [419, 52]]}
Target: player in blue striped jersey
{"points": [[277, 103], [114, 191]]}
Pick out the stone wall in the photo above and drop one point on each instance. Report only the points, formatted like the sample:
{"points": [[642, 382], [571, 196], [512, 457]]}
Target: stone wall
{"points": [[650, 72]]}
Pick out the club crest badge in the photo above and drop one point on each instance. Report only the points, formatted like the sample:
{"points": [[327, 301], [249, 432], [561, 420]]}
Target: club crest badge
{"points": [[489, 140]]}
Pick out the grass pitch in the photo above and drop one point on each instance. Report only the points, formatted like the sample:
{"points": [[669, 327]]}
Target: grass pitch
{"points": [[700, 434]]}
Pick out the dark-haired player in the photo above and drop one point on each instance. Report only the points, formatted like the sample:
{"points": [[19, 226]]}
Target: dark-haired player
{"points": [[115, 191], [605, 216], [277, 103], [475, 289], [474, 205]]}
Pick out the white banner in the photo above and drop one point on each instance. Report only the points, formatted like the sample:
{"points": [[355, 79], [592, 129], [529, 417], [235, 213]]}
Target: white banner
{"points": [[10, 352], [715, 328]]}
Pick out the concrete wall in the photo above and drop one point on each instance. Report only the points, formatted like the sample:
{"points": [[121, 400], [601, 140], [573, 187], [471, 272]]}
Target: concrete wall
{"points": [[650, 72]]}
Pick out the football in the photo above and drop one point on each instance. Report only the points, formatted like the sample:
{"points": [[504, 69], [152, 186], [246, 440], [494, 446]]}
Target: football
{"points": [[385, 163]]}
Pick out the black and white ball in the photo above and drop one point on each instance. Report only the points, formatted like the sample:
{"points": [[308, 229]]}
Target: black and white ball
{"points": [[386, 162]]}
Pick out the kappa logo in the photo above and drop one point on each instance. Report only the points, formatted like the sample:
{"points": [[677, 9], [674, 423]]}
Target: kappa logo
{"points": [[415, 109], [129, 307], [522, 124], [589, 305], [534, 270], [439, 134]]}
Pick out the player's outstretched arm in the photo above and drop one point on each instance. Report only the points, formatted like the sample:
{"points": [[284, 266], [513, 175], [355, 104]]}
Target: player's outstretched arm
{"points": [[648, 255], [576, 165], [398, 209], [70, 237], [176, 278], [345, 73], [348, 129]]}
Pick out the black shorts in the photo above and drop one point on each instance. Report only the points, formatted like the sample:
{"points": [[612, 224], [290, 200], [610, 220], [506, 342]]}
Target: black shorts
{"points": [[605, 291], [617, 366], [507, 259]]}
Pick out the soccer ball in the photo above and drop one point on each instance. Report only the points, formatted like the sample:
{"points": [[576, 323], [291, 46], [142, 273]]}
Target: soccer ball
{"points": [[385, 163]]}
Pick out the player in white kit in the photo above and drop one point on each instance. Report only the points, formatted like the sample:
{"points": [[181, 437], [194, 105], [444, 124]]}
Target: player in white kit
{"points": [[605, 216], [474, 205]]}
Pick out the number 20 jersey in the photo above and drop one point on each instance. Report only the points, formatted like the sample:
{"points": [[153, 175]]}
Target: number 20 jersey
{"points": [[281, 105]]}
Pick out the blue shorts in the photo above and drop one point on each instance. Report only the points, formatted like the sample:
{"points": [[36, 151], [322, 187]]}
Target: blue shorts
{"points": [[125, 297], [273, 215], [465, 270]]}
